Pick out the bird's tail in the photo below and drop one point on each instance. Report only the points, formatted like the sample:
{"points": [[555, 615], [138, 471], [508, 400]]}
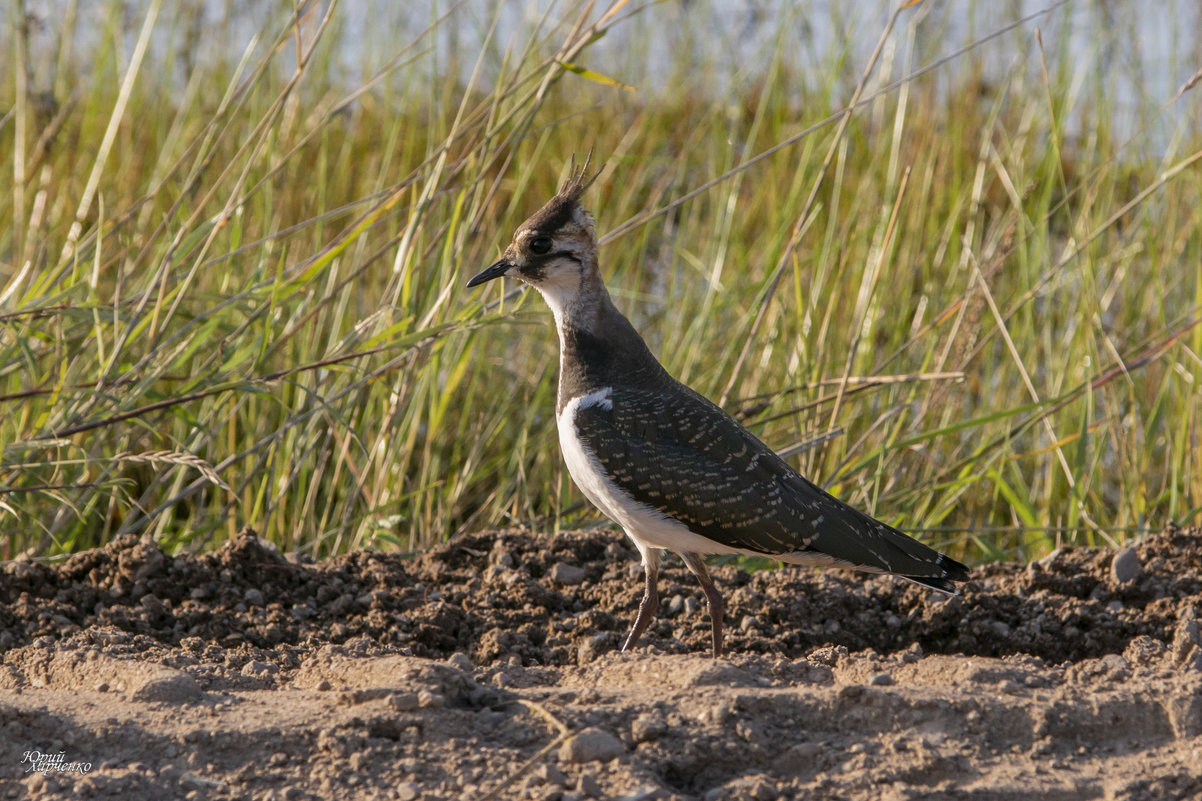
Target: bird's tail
{"points": [[953, 571], [853, 539], [904, 556]]}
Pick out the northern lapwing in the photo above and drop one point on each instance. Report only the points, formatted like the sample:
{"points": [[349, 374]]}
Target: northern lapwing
{"points": [[671, 468]]}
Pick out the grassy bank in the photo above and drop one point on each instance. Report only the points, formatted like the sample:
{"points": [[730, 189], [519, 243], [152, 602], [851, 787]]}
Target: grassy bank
{"points": [[232, 290]]}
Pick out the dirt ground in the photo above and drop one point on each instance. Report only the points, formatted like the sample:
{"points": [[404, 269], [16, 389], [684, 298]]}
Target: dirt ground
{"points": [[489, 668]]}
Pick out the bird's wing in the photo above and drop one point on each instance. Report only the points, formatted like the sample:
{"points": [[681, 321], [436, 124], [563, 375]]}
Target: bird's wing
{"points": [[677, 452]]}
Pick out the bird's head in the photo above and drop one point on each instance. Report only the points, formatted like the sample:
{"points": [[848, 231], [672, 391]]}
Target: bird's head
{"points": [[555, 251]]}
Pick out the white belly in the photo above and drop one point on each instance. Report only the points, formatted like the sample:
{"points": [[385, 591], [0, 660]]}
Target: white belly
{"points": [[647, 526]]}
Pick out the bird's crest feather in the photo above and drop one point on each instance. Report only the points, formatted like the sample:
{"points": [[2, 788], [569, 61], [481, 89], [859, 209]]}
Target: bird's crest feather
{"points": [[578, 180]]}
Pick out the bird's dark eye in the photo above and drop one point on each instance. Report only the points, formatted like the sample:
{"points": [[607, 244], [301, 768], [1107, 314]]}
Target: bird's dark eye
{"points": [[540, 245]]}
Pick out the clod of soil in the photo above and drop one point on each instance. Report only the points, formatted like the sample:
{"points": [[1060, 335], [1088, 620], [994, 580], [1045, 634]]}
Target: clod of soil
{"points": [[244, 673]]}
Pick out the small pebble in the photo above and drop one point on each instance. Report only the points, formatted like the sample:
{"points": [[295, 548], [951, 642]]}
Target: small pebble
{"points": [[256, 668], [587, 785], [647, 727], [552, 775], [1125, 568], [591, 745], [404, 702], [429, 700], [500, 558], [644, 794], [562, 573], [807, 750]]}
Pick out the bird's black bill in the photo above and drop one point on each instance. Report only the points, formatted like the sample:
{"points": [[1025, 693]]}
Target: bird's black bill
{"points": [[494, 271]]}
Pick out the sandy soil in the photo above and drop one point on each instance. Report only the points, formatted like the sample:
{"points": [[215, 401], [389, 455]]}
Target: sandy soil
{"points": [[488, 668]]}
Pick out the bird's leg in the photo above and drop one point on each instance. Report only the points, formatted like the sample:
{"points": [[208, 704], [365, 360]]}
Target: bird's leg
{"points": [[650, 602], [696, 564]]}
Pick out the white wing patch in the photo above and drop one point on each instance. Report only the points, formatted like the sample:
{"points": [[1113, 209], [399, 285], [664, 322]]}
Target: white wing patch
{"points": [[602, 398]]}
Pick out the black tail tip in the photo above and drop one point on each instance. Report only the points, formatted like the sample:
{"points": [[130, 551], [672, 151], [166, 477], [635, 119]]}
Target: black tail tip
{"points": [[953, 571], [956, 571], [941, 584]]}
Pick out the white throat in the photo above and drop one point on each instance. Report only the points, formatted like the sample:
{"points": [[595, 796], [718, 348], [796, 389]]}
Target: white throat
{"points": [[562, 292]]}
